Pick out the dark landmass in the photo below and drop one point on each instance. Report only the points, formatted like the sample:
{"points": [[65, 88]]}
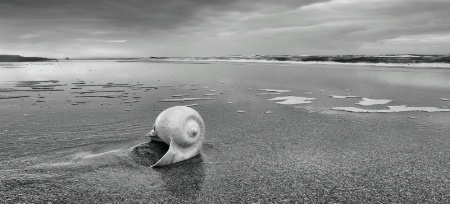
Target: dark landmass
{"points": [[409, 58], [381, 59], [18, 58], [108, 58], [405, 59]]}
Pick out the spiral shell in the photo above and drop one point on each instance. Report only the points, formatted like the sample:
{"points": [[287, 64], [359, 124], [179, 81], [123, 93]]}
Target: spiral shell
{"points": [[183, 129]]}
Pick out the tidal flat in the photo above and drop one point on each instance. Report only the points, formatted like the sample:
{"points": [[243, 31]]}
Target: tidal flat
{"points": [[74, 131]]}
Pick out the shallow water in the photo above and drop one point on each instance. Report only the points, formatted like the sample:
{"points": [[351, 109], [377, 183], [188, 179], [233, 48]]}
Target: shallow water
{"points": [[79, 134]]}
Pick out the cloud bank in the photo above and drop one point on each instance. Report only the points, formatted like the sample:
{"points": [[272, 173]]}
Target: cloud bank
{"points": [[116, 28]]}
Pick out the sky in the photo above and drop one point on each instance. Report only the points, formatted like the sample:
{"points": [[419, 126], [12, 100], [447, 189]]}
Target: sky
{"points": [[144, 28]]}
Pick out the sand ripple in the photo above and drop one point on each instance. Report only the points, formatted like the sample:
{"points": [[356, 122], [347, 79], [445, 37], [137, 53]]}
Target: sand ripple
{"points": [[183, 99], [274, 90], [342, 97]]}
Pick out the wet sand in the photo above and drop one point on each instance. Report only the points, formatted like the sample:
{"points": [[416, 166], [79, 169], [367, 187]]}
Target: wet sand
{"points": [[85, 142]]}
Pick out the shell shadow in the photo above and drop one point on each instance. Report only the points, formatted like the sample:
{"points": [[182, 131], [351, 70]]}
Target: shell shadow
{"points": [[149, 153], [182, 179]]}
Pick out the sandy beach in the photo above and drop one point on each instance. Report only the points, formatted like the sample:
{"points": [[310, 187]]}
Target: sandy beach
{"points": [[74, 132]]}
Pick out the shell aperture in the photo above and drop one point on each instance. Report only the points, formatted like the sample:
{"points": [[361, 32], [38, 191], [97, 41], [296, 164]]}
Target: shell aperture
{"points": [[183, 129]]}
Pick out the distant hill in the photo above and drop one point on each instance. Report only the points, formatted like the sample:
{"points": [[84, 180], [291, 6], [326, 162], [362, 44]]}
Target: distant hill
{"points": [[18, 58]]}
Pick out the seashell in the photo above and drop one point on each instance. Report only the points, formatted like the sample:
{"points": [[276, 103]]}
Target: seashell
{"points": [[183, 129]]}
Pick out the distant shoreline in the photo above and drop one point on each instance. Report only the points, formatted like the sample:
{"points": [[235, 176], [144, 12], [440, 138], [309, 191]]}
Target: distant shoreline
{"points": [[407, 60], [404, 59], [18, 58], [394, 59]]}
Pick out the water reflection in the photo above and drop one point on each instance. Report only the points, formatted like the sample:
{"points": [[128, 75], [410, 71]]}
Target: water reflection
{"points": [[10, 65], [413, 79]]}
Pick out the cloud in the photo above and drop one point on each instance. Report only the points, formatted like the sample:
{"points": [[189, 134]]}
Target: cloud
{"points": [[419, 39], [345, 26], [117, 41], [27, 36], [196, 27]]}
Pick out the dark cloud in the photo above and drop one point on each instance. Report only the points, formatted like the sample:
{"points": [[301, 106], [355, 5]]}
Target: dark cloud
{"points": [[195, 27], [130, 13]]}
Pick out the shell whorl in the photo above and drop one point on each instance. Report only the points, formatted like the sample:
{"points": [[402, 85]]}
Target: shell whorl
{"points": [[182, 124]]}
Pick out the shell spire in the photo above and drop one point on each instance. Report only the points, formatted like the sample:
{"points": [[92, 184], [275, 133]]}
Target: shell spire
{"points": [[183, 129]]}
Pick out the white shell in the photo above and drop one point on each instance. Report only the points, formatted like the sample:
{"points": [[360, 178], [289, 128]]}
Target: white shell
{"points": [[183, 129]]}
